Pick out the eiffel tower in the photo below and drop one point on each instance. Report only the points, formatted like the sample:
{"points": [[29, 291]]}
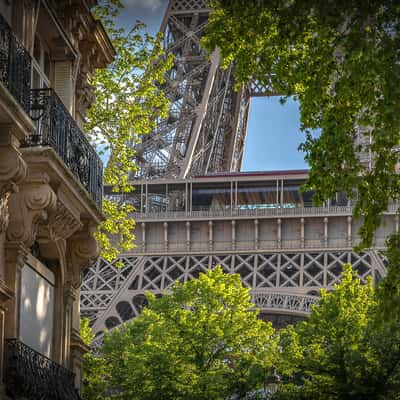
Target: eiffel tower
{"points": [[196, 210], [206, 126]]}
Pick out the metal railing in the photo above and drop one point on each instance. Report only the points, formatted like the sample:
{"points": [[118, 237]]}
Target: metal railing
{"points": [[31, 375], [266, 212], [296, 244], [56, 128], [15, 66], [283, 301]]}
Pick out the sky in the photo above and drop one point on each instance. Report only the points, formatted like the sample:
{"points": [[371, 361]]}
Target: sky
{"points": [[273, 130]]}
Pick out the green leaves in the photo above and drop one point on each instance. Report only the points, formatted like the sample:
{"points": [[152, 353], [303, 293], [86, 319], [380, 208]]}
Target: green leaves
{"points": [[345, 350], [201, 341], [94, 368], [341, 60], [128, 103]]}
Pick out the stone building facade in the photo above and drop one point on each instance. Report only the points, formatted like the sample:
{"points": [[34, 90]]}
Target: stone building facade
{"points": [[50, 191]]}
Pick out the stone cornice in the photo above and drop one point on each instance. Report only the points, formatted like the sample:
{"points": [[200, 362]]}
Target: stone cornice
{"points": [[105, 43], [46, 159], [87, 30], [12, 112]]}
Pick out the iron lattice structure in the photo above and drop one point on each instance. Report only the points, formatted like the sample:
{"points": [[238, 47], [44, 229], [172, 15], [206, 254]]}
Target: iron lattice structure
{"points": [[204, 133], [206, 126], [281, 283]]}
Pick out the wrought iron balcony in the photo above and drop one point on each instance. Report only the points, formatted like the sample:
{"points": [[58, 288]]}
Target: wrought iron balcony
{"points": [[31, 375], [56, 128], [15, 66]]}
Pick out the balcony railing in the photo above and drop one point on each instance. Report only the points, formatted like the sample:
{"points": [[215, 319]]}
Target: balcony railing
{"points": [[31, 375], [15, 66], [56, 128]]}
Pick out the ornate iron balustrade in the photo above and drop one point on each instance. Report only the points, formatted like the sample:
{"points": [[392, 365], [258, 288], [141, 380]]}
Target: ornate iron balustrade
{"points": [[31, 375], [15, 66], [56, 128]]}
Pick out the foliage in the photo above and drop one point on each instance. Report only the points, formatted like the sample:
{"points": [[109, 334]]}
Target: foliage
{"points": [[199, 342], [85, 331], [128, 102], [389, 288], [344, 350], [341, 61], [94, 368]]}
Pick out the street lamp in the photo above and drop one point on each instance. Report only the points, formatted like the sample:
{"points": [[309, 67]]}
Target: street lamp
{"points": [[272, 383]]}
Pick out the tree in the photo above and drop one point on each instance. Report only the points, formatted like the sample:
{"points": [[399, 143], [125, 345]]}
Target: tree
{"points": [[128, 102], [94, 367], [340, 59], [344, 350], [201, 341]]}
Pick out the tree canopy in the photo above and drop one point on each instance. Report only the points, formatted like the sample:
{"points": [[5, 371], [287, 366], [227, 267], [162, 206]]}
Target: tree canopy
{"points": [[204, 341], [201, 341], [341, 60], [344, 350], [128, 102]]}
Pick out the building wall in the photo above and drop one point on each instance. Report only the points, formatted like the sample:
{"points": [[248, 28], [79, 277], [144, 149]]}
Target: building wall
{"points": [[47, 214]]}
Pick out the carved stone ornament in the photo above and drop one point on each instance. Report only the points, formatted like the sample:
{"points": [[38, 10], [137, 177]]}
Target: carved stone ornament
{"points": [[12, 166], [5, 193], [28, 208], [63, 223], [83, 250], [12, 171]]}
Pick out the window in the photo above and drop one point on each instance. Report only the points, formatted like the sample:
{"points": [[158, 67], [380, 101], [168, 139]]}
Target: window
{"points": [[37, 308], [41, 65]]}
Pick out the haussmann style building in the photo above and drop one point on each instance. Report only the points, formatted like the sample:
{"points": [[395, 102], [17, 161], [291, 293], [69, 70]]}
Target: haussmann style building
{"points": [[50, 191]]}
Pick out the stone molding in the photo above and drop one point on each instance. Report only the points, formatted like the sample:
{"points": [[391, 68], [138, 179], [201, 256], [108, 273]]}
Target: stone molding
{"points": [[30, 207], [63, 223], [68, 189], [82, 250], [92, 43], [5, 193], [12, 171]]}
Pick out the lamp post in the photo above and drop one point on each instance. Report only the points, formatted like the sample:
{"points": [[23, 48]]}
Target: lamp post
{"points": [[271, 383]]}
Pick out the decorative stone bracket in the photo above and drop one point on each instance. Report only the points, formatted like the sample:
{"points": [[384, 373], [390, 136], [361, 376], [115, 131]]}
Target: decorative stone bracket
{"points": [[12, 171], [5, 193], [33, 204], [63, 223], [82, 250]]}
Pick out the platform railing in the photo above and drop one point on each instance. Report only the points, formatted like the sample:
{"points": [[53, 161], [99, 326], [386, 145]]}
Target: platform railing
{"points": [[30, 375], [257, 212], [268, 245], [15, 66]]}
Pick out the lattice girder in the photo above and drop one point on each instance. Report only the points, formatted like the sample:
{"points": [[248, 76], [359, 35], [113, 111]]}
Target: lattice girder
{"points": [[288, 282]]}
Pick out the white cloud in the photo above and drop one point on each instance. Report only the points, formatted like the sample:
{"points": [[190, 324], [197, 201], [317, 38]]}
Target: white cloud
{"points": [[152, 5]]}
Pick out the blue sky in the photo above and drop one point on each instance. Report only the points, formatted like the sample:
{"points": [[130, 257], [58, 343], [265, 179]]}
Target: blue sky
{"points": [[273, 133]]}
